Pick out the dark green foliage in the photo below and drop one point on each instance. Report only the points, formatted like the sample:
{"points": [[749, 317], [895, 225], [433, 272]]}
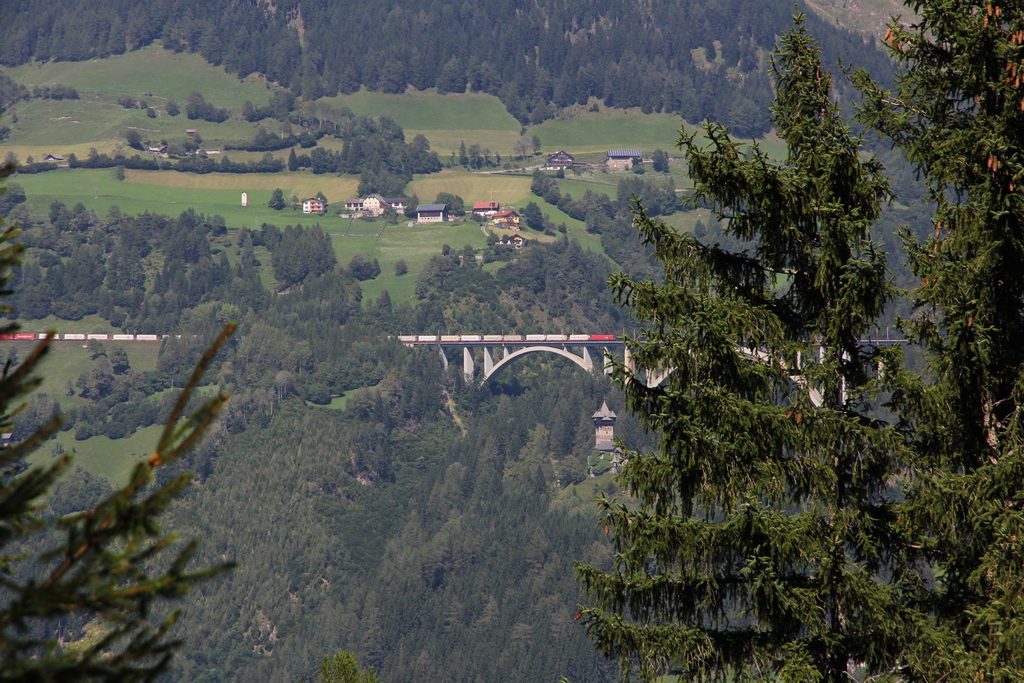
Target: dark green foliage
{"points": [[767, 542], [684, 56], [342, 667], [133, 138], [456, 204], [659, 161], [10, 92], [957, 112], [657, 201], [115, 564], [362, 269], [277, 201], [12, 195], [533, 217], [196, 107], [303, 252]]}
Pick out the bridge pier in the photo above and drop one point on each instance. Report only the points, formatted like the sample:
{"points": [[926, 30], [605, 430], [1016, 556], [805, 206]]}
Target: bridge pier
{"points": [[467, 363]]}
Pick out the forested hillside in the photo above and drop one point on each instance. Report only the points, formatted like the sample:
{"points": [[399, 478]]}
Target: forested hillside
{"points": [[688, 57], [375, 500], [429, 525]]}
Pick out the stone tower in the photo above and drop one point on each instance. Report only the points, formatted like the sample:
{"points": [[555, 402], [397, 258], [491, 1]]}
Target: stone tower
{"points": [[604, 428]]}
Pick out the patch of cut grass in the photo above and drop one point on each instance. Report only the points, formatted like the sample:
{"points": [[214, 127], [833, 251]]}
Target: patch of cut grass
{"points": [[445, 120], [472, 187], [55, 125], [613, 129], [90, 323], [110, 458], [171, 193], [427, 110], [66, 361], [151, 73]]}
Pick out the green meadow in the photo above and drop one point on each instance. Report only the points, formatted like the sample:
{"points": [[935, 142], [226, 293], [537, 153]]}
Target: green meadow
{"points": [[610, 129], [445, 120], [152, 73], [61, 368], [156, 75]]}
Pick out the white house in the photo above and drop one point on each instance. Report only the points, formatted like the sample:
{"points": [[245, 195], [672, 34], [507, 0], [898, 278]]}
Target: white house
{"points": [[313, 205]]}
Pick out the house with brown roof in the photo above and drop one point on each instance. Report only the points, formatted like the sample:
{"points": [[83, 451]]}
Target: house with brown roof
{"points": [[506, 219]]}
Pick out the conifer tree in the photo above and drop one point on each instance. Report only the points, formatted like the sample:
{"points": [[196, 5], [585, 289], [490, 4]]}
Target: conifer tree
{"points": [[957, 111], [766, 541]]}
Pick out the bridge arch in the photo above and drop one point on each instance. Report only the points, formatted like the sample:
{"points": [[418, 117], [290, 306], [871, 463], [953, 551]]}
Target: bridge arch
{"points": [[583, 361]]}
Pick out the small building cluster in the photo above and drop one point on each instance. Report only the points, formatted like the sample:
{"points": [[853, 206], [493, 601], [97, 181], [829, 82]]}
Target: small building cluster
{"points": [[514, 241], [620, 159], [375, 205]]}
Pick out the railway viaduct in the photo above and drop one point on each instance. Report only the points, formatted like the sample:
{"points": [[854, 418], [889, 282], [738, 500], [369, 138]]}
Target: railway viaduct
{"points": [[501, 350], [512, 347]]}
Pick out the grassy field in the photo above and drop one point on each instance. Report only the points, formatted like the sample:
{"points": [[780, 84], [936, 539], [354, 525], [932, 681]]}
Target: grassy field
{"points": [[446, 120], [110, 458], [90, 323], [612, 129], [472, 187], [60, 369], [96, 120], [67, 360], [171, 193], [152, 73]]}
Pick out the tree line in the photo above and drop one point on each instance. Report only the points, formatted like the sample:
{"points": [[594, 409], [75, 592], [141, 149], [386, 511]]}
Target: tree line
{"points": [[684, 57]]}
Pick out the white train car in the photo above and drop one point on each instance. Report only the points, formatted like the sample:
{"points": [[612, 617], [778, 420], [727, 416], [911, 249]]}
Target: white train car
{"points": [[536, 337], [98, 337], [471, 338], [122, 337], [451, 337], [147, 337], [426, 338], [512, 337], [73, 336], [579, 337], [493, 337], [407, 338], [555, 337]]}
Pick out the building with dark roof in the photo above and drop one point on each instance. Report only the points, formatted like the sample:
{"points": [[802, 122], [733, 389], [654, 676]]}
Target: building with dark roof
{"points": [[431, 213], [560, 160], [622, 158]]}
